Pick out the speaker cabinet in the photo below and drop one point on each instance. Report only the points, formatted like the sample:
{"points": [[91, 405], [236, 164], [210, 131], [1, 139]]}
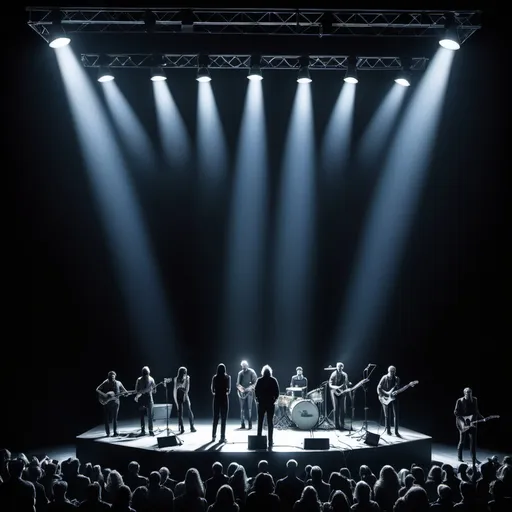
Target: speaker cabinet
{"points": [[166, 441], [257, 442], [316, 443], [371, 439]]}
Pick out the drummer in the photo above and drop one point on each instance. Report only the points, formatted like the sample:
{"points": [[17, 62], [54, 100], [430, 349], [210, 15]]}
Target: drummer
{"points": [[299, 383]]}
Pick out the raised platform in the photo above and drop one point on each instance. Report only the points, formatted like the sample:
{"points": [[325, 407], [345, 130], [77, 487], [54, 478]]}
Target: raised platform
{"points": [[197, 449]]}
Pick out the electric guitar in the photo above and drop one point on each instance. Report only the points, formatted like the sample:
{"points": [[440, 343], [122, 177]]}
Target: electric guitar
{"points": [[243, 393], [386, 397], [148, 389], [104, 400], [343, 391], [464, 423]]}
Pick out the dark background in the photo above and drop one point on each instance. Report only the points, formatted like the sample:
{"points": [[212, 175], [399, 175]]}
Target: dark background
{"points": [[445, 321]]}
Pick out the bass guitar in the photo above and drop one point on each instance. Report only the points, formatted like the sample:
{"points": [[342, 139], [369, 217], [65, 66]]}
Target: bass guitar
{"points": [[464, 423], [111, 396], [243, 393], [386, 397], [150, 389], [344, 391]]}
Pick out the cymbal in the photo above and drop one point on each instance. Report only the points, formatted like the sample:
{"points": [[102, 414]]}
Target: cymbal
{"points": [[295, 388], [330, 368]]}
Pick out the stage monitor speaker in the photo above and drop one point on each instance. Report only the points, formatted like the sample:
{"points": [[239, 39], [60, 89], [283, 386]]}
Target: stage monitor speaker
{"points": [[160, 411], [371, 439], [257, 442], [316, 443], [166, 441]]}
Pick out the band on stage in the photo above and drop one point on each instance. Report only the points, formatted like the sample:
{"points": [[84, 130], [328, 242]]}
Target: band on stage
{"points": [[298, 407]]}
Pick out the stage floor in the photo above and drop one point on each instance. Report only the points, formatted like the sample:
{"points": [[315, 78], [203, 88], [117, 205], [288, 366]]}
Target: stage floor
{"points": [[197, 449]]}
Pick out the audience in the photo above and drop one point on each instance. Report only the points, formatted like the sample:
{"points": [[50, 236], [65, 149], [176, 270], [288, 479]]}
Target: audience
{"points": [[49, 486]]}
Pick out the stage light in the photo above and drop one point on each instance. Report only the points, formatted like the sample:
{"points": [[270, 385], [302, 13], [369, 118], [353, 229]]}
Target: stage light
{"points": [[450, 40], [403, 78], [255, 70], [157, 74], [203, 75], [351, 73], [105, 75], [58, 37], [304, 76]]}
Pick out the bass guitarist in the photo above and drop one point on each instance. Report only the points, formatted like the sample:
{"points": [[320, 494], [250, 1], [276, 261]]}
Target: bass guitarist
{"points": [[338, 382], [245, 383], [386, 387], [109, 391], [467, 407], [145, 388]]}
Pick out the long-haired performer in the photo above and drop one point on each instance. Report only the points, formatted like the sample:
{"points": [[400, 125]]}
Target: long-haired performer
{"points": [[180, 395], [245, 387], [267, 392], [221, 388], [145, 388]]}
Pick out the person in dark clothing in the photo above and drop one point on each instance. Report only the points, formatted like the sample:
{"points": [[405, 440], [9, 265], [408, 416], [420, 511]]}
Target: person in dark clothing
{"points": [[109, 392], [387, 384], [299, 381], [245, 383], [466, 409], [15, 493], [145, 388], [266, 392], [217, 480], [289, 489], [93, 501], [338, 381], [181, 397], [60, 501], [221, 388]]}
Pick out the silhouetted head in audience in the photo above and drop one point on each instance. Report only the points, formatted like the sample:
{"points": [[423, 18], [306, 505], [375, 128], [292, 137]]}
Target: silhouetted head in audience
{"points": [[193, 483], [444, 493], [123, 497], [291, 467], [221, 369], [15, 468], [134, 467], [225, 496], [60, 488], [316, 474], [262, 466], [217, 468], [468, 492], [263, 484], [362, 493], [93, 492], [409, 481], [309, 496], [154, 480], [232, 468], [418, 474], [436, 474], [114, 480], [488, 471], [416, 500], [339, 502]]}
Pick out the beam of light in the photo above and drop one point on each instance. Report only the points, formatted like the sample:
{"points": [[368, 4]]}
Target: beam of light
{"points": [[295, 226], [211, 145], [173, 132], [393, 208], [377, 133], [338, 134], [125, 232], [132, 133], [244, 270]]}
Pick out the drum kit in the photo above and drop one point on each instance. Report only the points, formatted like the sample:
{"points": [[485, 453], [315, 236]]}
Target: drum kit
{"points": [[303, 412]]}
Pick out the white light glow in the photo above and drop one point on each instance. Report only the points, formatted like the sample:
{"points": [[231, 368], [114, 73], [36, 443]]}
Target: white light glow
{"points": [[304, 80], [351, 80], [158, 78], [449, 44], [106, 78], [203, 79], [60, 42], [256, 78], [403, 82]]}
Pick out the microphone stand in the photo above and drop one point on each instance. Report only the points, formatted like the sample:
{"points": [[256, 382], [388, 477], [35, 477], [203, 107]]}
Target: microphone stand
{"points": [[167, 414], [366, 375]]}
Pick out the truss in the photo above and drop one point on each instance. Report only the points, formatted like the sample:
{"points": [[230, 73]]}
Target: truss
{"points": [[346, 23], [244, 62]]}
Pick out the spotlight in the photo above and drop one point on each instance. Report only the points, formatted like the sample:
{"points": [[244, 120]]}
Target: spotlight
{"points": [[203, 75], [304, 76], [255, 70], [58, 37], [450, 41], [351, 73], [157, 74], [105, 74], [403, 78]]}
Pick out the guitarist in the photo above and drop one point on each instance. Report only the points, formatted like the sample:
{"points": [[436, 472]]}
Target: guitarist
{"points": [[111, 388], [467, 406], [387, 385], [145, 388], [339, 381], [245, 383]]}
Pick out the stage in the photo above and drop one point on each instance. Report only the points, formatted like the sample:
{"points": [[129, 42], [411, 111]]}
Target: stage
{"points": [[197, 449]]}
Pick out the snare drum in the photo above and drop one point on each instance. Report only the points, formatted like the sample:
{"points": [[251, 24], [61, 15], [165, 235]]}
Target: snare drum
{"points": [[285, 400], [304, 413], [316, 395]]}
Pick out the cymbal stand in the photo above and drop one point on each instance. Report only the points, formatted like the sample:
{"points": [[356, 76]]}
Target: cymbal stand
{"points": [[327, 417]]}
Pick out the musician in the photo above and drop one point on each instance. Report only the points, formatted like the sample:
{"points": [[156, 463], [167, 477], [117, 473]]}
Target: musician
{"points": [[181, 397], [467, 406], [267, 392], [245, 383], [145, 388], [299, 381], [339, 381], [111, 388], [387, 385], [221, 388]]}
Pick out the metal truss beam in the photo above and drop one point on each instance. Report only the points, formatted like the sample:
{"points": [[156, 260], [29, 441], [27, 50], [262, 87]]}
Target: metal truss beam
{"points": [[244, 62], [325, 22]]}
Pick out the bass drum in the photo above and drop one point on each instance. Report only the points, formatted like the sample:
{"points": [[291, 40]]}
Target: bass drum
{"points": [[304, 413]]}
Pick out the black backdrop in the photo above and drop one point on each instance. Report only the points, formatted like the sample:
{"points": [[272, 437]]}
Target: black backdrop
{"points": [[67, 326]]}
